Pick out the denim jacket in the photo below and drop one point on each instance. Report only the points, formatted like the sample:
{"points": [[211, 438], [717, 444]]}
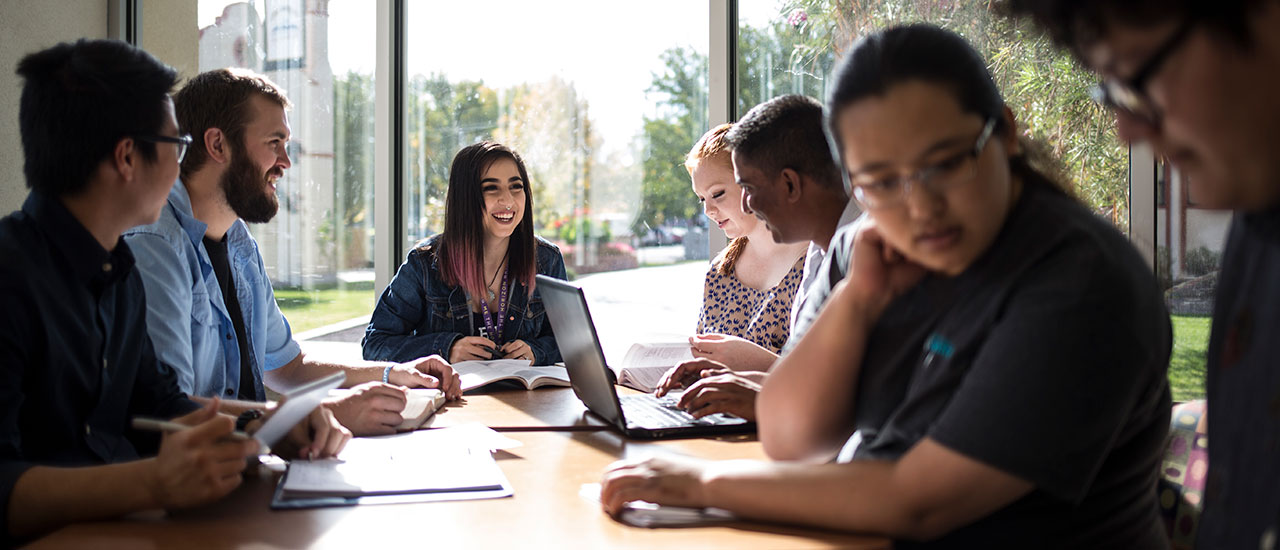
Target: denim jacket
{"points": [[419, 315], [186, 317]]}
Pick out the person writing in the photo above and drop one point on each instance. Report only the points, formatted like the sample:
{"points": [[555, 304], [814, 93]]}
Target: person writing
{"points": [[468, 293], [101, 146], [992, 370]]}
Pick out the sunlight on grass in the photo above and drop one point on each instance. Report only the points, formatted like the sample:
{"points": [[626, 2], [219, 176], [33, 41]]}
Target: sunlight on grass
{"points": [[308, 309], [1186, 364]]}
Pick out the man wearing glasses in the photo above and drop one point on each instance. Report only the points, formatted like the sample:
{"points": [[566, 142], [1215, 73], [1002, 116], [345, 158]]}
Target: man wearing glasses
{"points": [[99, 135], [1197, 80], [211, 309]]}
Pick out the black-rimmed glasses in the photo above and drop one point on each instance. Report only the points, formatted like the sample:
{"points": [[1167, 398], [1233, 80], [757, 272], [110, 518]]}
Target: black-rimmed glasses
{"points": [[876, 191], [181, 141], [1130, 94]]}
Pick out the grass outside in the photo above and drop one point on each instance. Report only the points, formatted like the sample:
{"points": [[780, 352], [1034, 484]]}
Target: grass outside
{"points": [[1187, 362], [308, 309]]}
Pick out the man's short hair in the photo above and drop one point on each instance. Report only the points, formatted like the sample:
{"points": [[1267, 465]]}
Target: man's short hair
{"points": [[786, 132], [1074, 24], [220, 99], [78, 101]]}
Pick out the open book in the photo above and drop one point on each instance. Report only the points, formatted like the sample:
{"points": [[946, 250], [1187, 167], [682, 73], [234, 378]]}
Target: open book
{"points": [[643, 366], [482, 373], [422, 403]]}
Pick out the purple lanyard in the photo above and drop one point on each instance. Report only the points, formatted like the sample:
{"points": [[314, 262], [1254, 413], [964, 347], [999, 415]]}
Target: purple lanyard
{"points": [[495, 332]]}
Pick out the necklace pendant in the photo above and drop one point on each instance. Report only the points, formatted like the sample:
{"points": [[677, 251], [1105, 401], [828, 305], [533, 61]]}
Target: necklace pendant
{"points": [[491, 295]]}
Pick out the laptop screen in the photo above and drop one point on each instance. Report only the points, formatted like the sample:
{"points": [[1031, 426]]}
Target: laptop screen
{"points": [[580, 347]]}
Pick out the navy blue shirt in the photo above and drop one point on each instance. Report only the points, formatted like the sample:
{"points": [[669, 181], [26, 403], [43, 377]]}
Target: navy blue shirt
{"points": [[75, 360], [1242, 493]]}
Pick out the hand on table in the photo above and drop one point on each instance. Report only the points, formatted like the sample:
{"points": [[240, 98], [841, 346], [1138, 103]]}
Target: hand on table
{"points": [[431, 371], [372, 408], [671, 481]]}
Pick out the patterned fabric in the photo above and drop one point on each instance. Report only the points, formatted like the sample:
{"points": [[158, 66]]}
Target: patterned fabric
{"points": [[1182, 473], [761, 316]]}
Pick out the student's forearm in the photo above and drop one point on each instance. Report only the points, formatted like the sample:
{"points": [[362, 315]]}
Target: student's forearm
{"points": [[805, 409], [857, 497], [927, 493], [303, 369], [46, 498]]}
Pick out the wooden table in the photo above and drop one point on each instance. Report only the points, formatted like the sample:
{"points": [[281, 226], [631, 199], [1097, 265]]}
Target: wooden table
{"points": [[547, 474], [518, 410]]}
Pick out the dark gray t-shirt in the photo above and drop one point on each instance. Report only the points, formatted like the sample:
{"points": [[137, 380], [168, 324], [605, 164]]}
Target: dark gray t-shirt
{"points": [[1045, 359], [1242, 494]]}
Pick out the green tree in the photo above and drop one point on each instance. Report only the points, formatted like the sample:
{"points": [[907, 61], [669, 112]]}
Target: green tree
{"points": [[681, 87], [1046, 88], [353, 169]]}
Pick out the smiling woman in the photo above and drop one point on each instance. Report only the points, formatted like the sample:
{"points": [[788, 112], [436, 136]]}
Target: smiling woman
{"points": [[468, 293]]}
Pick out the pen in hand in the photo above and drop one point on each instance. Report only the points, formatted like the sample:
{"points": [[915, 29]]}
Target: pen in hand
{"points": [[166, 426]]}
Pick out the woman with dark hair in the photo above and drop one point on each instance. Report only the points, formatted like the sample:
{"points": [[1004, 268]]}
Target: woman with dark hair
{"points": [[468, 293], [990, 371]]}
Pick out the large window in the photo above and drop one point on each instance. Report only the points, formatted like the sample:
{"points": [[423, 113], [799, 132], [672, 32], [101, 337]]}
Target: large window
{"points": [[602, 100], [791, 46], [1188, 254], [319, 248]]}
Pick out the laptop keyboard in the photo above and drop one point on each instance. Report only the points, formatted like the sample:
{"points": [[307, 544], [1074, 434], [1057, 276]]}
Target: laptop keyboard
{"points": [[650, 412]]}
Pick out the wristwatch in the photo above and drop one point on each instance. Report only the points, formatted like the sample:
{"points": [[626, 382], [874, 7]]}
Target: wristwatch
{"points": [[246, 417]]}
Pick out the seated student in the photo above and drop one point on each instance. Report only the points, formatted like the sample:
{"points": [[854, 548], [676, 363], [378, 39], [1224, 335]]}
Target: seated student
{"points": [[786, 175], [752, 282], [1196, 81], [76, 365], [994, 363], [211, 310], [749, 286], [468, 293]]}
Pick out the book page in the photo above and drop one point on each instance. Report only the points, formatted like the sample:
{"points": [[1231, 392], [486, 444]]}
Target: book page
{"points": [[478, 373], [421, 403], [644, 364], [666, 354], [644, 379], [475, 374]]}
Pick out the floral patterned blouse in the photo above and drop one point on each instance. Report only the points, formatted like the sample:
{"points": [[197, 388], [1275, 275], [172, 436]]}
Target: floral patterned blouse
{"points": [[761, 316]]}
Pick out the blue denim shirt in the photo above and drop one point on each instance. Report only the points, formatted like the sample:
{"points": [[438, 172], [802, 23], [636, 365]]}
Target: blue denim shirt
{"points": [[419, 315], [186, 317]]}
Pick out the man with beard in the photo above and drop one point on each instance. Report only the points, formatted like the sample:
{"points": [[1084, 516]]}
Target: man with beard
{"points": [[210, 308]]}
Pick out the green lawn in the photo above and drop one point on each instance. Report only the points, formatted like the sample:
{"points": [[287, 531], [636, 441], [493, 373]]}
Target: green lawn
{"points": [[1186, 364], [308, 309]]}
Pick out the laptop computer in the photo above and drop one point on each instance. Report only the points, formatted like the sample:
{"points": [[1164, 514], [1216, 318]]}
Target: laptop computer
{"points": [[640, 416]]}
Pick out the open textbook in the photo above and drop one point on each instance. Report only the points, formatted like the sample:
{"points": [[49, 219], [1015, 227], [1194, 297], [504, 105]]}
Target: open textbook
{"points": [[482, 373], [643, 366]]}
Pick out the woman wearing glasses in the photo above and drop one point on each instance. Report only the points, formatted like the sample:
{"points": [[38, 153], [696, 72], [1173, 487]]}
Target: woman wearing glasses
{"points": [[990, 372], [468, 293]]}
